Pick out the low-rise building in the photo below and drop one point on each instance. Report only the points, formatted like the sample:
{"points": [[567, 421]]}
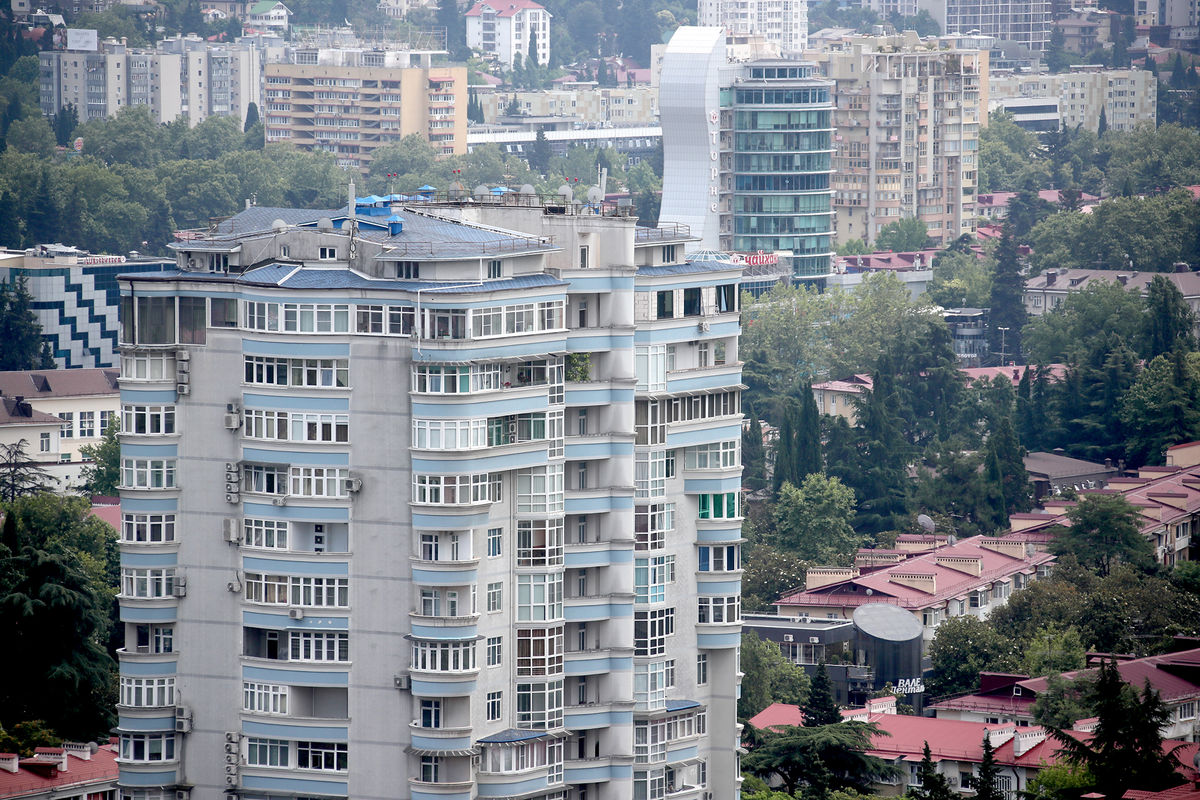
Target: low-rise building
{"points": [[79, 404], [74, 771], [971, 577], [269, 15], [1127, 97], [575, 106], [37, 433], [1053, 472], [1045, 292], [505, 29]]}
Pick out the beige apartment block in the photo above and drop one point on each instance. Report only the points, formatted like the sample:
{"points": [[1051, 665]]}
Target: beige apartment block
{"points": [[781, 22], [1127, 96], [351, 103], [906, 136], [586, 105]]}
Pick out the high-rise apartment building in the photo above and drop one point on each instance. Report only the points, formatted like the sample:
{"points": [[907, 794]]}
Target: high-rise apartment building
{"points": [[784, 23], [350, 102], [908, 116], [183, 77], [436, 502], [746, 148], [1026, 22], [1127, 97]]}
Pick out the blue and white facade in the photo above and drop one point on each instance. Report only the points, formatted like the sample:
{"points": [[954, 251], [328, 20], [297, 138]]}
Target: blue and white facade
{"points": [[437, 503], [75, 298]]}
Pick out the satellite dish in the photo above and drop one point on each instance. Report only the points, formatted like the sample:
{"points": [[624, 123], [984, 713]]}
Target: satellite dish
{"points": [[280, 225], [325, 224], [482, 191], [527, 189], [594, 195], [926, 523], [565, 192]]}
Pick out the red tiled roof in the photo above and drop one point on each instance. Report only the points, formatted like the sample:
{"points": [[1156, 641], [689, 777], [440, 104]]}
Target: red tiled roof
{"points": [[33, 384], [777, 715], [504, 8], [108, 512], [101, 769]]}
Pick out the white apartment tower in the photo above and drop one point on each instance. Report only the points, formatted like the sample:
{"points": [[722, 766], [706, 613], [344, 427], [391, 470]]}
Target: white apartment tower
{"points": [[1026, 22], [505, 29], [782, 22], [431, 502]]}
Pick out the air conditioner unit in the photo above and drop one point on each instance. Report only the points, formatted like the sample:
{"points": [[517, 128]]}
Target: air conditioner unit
{"points": [[787, 637], [183, 794], [295, 613], [403, 682], [183, 724], [183, 355], [353, 485], [233, 466], [234, 586], [179, 588], [232, 497], [233, 476], [233, 408], [281, 500], [231, 749], [232, 528], [183, 368], [233, 421], [183, 376], [703, 326], [182, 389], [232, 487], [814, 640], [232, 736], [230, 796]]}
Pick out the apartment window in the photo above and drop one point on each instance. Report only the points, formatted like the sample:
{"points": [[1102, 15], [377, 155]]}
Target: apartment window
{"points": [[718, 506], [650, 686], [44, 443], [264, 698], [584, 253], [702, 355], [702, 669], [148, 473], [494, 650], [321, 373], [147, 528], [651, 629], [147, 583], [267, 752], [266, 534], [651, 523], [495, 594], [147, 747], [324, 756], [691, 302], [540, 490], [539, 651], [264, 479], [493, 705], [494, 537], [1187, 710], [319, 482], [665, 304], [715, 455], [719, 609], [431, 769], [650, 474], [450, 490], [138, 419], [431, 713], [67, 431], [651, 576], [540, 705], [668, 254], [327, 253], [147, 692], [720, 558], [87, 424], [539, 597], [495, 269], [318, 646]]}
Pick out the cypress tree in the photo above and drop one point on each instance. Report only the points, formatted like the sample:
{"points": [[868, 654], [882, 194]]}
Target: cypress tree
{"points": [[986, 782], [785, 456], [753, 456], [820, 708], [1007, 302], [1103, 125], [807, 451]]}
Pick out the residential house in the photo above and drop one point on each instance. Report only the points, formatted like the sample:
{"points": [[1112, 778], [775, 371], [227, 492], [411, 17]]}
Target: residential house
{"points": [[1053, 472], [504, 30], [21, 423], [1045, 292], [268, 15], [73, 771]]}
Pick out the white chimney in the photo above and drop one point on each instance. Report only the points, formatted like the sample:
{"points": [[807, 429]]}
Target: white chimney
{"points": [[9, 762], [52, 755], [81, 750]]}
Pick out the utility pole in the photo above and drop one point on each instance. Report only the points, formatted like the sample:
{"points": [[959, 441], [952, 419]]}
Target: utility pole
{"points": [[1003, 333]]}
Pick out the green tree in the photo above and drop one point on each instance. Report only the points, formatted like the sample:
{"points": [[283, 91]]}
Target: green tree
{"points": [[931, 784], [450, 18], [55, 618], [1104, 530], [1160, 410], [131, 137], [1102, 126], [961, 649], [819, 759], [904, 235], [961, 280], [987, 778], [1053, 649], [812, 521], [1170, 323], [853, 247], [753, 456], [1061, 781], [102, 476], [769, 573], [1007, 302], [1126, 750], [251, 117], [539, 159], [20, 475], [1016, 491], [819, 708], [19, 328], [1064, 701], [31, 135], [1065, 333], [26, 737], [878, 476], [768, 677]]}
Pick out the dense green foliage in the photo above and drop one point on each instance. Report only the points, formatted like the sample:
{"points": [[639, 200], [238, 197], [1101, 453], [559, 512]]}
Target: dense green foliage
{"points": [[768, 677]]}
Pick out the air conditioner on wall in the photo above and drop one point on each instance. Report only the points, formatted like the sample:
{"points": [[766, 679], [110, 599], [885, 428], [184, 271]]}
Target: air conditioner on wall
{"points": [[295, 613], [182, 389], [232, 529]]}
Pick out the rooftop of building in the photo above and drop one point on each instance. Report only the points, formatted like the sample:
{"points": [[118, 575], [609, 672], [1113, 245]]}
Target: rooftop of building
{"points": [[43, 774], [1187, 281], [927, 579], [17, 411], [504, 8], [1057, 465], [58, 383]]}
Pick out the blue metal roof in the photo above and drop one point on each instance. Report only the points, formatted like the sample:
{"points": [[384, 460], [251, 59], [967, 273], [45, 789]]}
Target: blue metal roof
{"points": [[680, 705], [294, 276], [512, 735], [687, 268]]}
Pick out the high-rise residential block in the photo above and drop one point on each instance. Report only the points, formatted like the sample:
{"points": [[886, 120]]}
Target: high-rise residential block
{"points": [[781, 22], [350, 102], [746, 148], [908, 116], [431, 502], [1026, 22], [1127, 97], [508, 30]]}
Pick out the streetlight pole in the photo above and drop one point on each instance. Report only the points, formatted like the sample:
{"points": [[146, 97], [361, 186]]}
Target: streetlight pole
{"points": [[1003, 332]]}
